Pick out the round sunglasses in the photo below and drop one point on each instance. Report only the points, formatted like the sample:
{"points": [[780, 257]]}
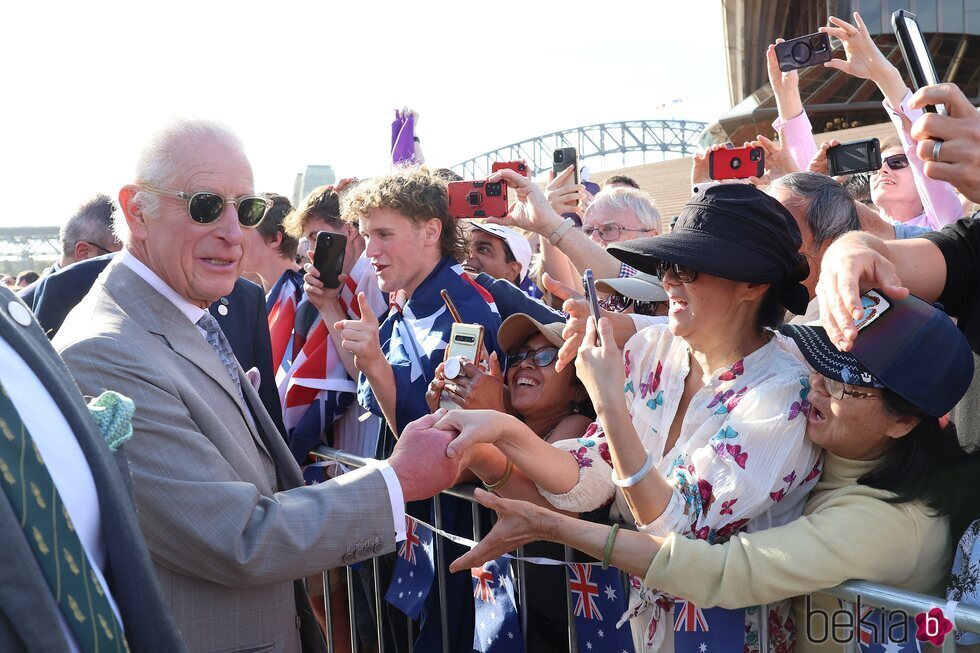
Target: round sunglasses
{"points": [[616, 303], [206, 207], [542, 357]]}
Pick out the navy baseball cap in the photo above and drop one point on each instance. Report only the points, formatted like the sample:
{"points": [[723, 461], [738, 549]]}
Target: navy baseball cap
{"points": [[905, 345]]}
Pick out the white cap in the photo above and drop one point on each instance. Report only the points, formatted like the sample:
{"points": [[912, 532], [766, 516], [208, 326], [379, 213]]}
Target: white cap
{"points": [[519, 245]]}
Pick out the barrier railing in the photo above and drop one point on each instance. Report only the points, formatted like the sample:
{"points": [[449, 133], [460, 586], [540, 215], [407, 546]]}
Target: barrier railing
{"points": [[965, 618]]}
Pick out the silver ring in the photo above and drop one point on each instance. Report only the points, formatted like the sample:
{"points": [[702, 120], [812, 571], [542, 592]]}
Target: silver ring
{"points": [[936, 147]]}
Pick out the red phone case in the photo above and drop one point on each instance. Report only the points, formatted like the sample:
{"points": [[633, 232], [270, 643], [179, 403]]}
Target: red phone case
{"points": [[520, 167], [737, 163], [477, 199]]}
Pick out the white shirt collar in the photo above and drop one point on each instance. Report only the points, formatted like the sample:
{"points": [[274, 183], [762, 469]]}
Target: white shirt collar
{"points": [[192, 312]]}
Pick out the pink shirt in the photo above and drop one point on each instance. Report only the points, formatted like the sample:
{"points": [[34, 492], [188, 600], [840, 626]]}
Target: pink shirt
{"points": [[939, 199]]}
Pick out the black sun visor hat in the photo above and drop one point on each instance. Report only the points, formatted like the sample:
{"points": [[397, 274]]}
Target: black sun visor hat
{"points": [[733, 231]]}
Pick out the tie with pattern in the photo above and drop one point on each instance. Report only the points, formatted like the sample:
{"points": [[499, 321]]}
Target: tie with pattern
{"points": [[218, 341], [48, 529]]}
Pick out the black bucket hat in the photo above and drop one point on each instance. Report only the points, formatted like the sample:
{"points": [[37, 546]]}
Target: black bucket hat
{"points": [[733, 231]]}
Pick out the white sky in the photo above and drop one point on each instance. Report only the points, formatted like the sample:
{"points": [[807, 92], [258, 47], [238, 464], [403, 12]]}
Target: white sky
{"points": [[305, 83]]}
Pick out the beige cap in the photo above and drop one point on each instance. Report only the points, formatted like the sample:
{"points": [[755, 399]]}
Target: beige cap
{"points": [[515, 330]]}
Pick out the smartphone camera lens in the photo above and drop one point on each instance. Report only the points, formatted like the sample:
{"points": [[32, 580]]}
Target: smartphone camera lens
{"points": [[817, 44], [754, 155], [494, 190], [736, 163], [474, 199], [559, 156], [801, 53]]}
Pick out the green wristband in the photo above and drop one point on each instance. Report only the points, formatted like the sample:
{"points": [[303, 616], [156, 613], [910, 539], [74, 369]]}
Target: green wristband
{"points": [[609, 545]]}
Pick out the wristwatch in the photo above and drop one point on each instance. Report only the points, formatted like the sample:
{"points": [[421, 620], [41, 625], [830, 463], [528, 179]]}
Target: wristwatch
{"points": [[560, 231]]}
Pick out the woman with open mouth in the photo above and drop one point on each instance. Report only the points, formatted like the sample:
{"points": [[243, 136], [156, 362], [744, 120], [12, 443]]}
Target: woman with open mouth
{"points": [[696, 431], [883, 510]]}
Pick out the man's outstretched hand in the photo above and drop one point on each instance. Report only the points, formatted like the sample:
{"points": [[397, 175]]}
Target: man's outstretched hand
{"points": [[419, 459]]}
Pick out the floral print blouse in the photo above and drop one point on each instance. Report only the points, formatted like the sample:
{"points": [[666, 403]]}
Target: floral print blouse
{"points": [[741, 461]]}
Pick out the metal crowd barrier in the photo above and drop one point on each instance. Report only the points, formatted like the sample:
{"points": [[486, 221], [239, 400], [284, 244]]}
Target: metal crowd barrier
{"points": [[966, 618]]}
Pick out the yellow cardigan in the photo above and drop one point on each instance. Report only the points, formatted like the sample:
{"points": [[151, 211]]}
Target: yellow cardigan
{"points": [[847, 531]]}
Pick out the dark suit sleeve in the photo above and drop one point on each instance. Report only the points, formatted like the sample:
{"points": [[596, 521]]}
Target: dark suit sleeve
{"points": [[262, 352]]}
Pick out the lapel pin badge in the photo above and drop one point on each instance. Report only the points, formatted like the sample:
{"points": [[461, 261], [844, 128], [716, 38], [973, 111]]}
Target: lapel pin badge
{"points": [[20, 314]]}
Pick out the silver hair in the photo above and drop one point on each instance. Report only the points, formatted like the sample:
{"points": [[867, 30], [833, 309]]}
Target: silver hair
{"points": [[158, 166], [637, 202], [92, 222], [830, 210]]}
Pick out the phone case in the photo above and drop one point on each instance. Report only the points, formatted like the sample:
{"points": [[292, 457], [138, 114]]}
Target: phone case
{"points": [[520, 167], [328, 257], [465, 340], [737, 163], [852, 158], [477, 199], [917, 60], [789, 54], [569, 158]]}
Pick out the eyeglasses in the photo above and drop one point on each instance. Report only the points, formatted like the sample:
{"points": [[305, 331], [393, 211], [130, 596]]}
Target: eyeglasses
{"points": [[610, 231], [97, 246], [837, 390], [617, 303], [540, 357], [205, 207], [897, 161], [683, 273]]}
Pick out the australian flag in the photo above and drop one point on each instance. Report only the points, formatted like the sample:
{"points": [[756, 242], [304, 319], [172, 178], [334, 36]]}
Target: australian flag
{"points": [[415, 333], [498, 628], [599, 601], [715, 630], [414, 570]]}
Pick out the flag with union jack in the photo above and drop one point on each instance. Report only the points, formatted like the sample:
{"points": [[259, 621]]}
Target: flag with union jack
{"points": [[415, 333], [315, 389], [599, 600], [281, 303], [714, 630], [414, 570], [497, 628]]}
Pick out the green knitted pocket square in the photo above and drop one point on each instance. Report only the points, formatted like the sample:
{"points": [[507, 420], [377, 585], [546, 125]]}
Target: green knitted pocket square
{"points": [[113, 413]]}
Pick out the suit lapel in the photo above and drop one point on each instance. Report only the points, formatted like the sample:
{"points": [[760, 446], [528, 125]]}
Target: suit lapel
{"points": [[159, 316]]}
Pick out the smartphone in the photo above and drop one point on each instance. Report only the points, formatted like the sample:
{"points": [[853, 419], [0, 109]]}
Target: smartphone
{"points": [[328, 257], [915, 51], [857, 156], [466, 341], [810, 50], [565, 157], [737, 163], [477, 199], [593, 298], [520, 167]]}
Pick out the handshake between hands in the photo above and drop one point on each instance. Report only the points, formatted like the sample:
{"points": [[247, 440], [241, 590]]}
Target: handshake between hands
{"points": [[430, 456]]}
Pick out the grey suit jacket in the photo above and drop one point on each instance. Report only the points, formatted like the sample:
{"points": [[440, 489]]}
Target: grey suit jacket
{"points": [[28, 613], [221, 502]]}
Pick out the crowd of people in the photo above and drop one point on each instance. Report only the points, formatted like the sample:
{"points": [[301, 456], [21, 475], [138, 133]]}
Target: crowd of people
{"points": [[778, 394]]}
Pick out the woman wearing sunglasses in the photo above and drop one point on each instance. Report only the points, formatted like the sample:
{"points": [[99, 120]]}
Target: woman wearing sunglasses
{"points": [[900, 190], [551, 406], [882, 511], [698, 434]]}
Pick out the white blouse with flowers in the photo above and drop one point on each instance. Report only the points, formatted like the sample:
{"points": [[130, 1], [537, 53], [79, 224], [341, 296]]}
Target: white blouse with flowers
{"points": [[741, 463]]}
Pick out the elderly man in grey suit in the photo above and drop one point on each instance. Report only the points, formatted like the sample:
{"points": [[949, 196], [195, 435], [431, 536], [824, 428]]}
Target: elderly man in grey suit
{"points": [[228, 523]]}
